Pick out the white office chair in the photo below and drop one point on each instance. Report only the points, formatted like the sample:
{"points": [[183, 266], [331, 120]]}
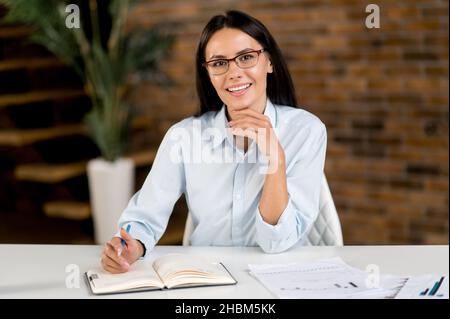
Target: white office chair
{"points": [[326, 230]]}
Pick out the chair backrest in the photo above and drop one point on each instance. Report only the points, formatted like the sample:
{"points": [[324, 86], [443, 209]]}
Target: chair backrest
{"points": [[325, 231]]}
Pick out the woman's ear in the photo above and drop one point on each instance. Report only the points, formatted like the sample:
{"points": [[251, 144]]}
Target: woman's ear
{"points": [[270, 68]]}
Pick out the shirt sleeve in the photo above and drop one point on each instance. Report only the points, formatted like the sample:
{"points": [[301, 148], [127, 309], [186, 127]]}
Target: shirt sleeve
{"points": [[304, 181], [149, 210]]}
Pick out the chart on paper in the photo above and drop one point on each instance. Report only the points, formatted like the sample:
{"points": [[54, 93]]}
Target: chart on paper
{"points": [[425, 287], [330, 278]]}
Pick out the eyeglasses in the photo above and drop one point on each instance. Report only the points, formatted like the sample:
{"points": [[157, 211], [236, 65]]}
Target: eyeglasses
{"points": [[244, 60]]}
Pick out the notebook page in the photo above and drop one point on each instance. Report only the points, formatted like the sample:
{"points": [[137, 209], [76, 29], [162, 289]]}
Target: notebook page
{"points": [[179, 269], [141, 274]]}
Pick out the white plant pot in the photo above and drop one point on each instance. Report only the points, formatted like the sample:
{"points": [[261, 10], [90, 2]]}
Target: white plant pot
{"points": [[110, 187]]}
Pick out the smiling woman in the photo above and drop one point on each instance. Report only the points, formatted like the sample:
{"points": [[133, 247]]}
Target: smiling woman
{"points": [[244, 84], [247, 107], [242, 38]]}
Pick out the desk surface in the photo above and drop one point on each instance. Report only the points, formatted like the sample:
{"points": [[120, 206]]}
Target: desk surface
{"points": [[39, 271]]}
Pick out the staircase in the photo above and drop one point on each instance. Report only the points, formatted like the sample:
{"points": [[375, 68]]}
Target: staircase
{"points": [[44, 148]]}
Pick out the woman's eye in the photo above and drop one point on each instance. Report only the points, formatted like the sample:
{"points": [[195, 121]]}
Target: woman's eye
{"points": [[246, 57], [219, 63]]}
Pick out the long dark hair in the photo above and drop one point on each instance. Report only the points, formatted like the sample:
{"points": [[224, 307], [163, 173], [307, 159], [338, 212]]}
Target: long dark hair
{"points": [[280, 89]]}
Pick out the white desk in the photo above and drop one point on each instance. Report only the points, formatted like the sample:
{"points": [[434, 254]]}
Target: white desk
{"points": [[39, 271]]}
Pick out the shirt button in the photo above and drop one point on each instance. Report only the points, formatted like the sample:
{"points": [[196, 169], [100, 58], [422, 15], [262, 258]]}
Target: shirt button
{"points": [[238, 196]]}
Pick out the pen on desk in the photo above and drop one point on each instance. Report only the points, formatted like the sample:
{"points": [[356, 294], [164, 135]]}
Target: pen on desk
{"points": [[122, 241]]}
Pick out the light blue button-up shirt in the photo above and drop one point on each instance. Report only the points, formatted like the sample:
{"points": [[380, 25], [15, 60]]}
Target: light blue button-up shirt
{"points": [[223, 184]]}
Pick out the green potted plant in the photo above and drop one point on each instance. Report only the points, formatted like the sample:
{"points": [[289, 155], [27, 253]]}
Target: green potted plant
{"points": [[110, 69]]}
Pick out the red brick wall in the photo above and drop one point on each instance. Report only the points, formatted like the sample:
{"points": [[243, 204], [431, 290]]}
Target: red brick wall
{"points": [[382, 93]]}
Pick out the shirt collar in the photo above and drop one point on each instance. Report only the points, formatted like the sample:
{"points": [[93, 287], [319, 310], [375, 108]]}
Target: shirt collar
{"points": [[220, 122]]}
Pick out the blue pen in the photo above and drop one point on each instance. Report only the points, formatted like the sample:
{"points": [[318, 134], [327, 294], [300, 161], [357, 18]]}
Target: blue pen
{"points": [[122, 241]]}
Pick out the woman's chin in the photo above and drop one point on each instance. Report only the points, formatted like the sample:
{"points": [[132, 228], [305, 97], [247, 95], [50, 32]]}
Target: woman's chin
{"points": [[240, 107], [237, 106]]}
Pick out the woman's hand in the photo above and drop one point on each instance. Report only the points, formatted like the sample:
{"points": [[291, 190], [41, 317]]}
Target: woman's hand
{"points": [[252, 124], [257, 126], [117, 259]]}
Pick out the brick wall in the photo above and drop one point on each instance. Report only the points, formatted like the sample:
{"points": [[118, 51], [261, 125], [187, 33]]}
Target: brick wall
{"points": [[382, 93]]}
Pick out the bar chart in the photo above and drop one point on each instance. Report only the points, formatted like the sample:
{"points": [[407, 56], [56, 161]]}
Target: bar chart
{"points": [[433, 291]]}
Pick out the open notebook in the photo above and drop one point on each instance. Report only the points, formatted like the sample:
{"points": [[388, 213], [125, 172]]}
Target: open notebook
{"points": [[165, 272]]}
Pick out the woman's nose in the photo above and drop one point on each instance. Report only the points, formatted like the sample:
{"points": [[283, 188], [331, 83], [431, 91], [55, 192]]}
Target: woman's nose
{"points": [[234, 71]]}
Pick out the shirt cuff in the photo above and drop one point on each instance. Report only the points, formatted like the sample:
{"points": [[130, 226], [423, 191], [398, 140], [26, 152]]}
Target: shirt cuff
{"points": [[139, 232], [286, 224]]}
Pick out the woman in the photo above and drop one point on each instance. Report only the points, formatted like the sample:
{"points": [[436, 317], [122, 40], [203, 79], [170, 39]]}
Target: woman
{"points": [[250, 163]]}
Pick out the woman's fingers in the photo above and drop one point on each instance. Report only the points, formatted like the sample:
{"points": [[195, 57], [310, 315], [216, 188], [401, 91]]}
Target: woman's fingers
{"points": [[251, 113], [112, 266], [108, 260], [248, 122], [112, 269], [250, 127], [111, 262], [260, 131], [125, 236], [112, 252]]}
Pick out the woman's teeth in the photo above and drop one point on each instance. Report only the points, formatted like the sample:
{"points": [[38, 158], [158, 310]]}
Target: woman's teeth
{"points": [[238, 88]]}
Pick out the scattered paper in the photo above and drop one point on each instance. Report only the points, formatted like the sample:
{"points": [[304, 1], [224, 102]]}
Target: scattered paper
{"points": [[327, 278]]}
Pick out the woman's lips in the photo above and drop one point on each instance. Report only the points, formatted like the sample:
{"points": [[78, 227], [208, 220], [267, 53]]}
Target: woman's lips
{"points": [[240, 92]]}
